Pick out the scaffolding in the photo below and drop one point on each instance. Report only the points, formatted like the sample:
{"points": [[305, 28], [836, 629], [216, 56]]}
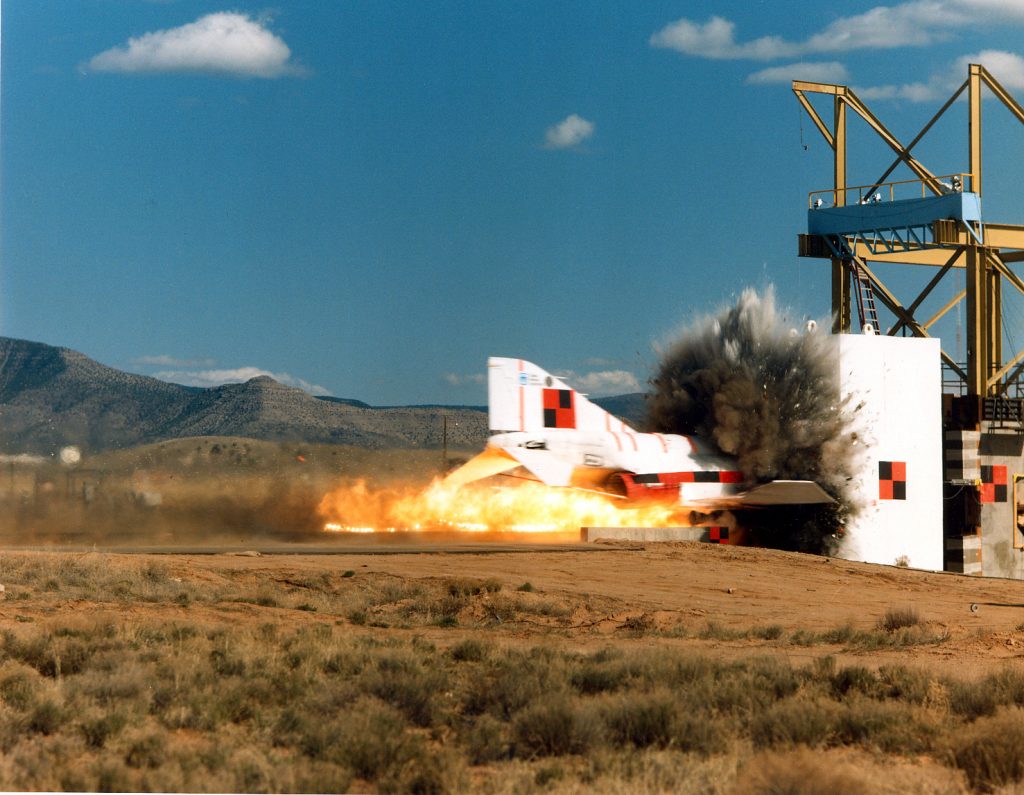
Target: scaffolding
{"points": [[930, 220]]}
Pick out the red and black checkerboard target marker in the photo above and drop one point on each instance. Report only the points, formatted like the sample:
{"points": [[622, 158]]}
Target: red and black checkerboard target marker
{"points": [[718, 535], [993, 484], [559, 411], [892, 480]]}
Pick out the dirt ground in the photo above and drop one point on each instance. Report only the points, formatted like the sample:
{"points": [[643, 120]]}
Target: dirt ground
{"points": [[723, 603], [602, 587]]}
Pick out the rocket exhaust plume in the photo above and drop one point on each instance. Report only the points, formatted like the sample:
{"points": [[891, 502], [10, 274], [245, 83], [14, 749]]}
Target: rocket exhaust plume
{"points": [[770, 398], [527, 508]]}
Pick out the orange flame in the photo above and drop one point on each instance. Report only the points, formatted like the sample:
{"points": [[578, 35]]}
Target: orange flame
{"points": [[526, 508]]}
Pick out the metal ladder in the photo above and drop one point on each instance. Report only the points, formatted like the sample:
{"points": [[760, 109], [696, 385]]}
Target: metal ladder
{"points": [[865, 296]]}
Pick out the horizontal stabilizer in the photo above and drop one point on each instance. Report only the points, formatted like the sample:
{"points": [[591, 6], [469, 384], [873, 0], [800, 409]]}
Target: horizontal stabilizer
{"points": [[549, 468], [492, 461], [778, 492]]}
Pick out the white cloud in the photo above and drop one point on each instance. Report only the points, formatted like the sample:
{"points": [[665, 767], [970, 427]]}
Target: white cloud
{"points": [[223, 43], [716, 39], [598, 382], [568, 133], [603, 382], [238, 375], [911, 24], [912, 92], [169, 361], [820, 72], [456, 380], [1006, 67]]}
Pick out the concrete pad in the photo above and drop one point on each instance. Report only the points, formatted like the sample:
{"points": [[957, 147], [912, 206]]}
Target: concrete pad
{"points": [[716, 535]]}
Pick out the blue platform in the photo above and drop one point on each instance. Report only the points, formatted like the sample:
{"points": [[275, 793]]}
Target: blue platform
{"points": [[879, 217]]}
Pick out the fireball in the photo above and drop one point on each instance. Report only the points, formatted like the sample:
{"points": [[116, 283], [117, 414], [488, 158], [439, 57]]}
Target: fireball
{"points": [[525, 508]]}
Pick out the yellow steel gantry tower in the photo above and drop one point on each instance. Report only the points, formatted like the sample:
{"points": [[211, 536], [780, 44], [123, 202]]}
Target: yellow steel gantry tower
{"points": [[942, 228]]}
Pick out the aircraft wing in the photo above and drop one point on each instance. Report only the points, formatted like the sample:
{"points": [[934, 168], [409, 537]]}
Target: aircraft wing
{"points": [[777, 492], [492, 461], [548, 468]]}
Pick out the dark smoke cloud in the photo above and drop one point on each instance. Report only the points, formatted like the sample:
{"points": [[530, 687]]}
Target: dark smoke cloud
{"points": [[770, 398]]}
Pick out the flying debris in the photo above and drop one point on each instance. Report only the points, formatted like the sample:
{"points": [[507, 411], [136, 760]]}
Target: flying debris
{"points": [[562, 439]]}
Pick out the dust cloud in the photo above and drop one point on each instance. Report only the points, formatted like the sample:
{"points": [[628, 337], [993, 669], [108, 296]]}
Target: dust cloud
{"points": [[769, 396]]}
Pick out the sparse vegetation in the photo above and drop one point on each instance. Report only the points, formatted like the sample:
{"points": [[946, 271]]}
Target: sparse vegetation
{"points": [[305, 695], [899, 618], [988, 751]]}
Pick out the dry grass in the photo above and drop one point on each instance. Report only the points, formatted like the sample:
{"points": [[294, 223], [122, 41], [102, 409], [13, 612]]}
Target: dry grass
{"points": [[897, 618], [304, 695]]}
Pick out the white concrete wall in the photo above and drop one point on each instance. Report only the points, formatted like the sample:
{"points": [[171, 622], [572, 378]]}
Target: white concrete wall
{"points": [[898, 381]]}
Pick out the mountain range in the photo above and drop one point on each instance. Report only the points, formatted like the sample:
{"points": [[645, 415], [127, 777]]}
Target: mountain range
{"points": [[51, 397]]}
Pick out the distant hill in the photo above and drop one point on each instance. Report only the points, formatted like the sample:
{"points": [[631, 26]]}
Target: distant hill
{"points": [[51, 397]]}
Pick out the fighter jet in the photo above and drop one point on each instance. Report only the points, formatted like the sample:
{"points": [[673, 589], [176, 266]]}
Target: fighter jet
{"points": [[562, 439]]}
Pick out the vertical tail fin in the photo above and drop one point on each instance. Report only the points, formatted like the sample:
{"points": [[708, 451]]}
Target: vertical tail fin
{"points": [[523, 397]]}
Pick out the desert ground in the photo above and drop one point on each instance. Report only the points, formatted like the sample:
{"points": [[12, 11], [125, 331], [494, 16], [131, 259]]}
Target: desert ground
{"points": [[247, 661], [150, 671]]}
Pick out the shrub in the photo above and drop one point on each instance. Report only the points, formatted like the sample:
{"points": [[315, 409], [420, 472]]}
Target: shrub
{"points": [[856, 678], [468, 587], [425, 772], [700, 734], [487, 740], [794, 721], [973, 699], [553, 727], [97, 730], [989, 752], [1007, 687], [238, 703], [638, 625], [470, 650], [407, 687], [905, 684], [771, 632], [146, 750], [18, 685], [641, 720], [225, 663], [51, 656], [594, 677], [715, 631], [888, 726], [373, 740], [506, 689], [46, 717], [548, 774], [112, 777], [324, 777], [898, 618]]}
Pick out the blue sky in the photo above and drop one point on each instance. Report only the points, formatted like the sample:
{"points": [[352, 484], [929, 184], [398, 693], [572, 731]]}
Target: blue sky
{"points": [[367, 199]]}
